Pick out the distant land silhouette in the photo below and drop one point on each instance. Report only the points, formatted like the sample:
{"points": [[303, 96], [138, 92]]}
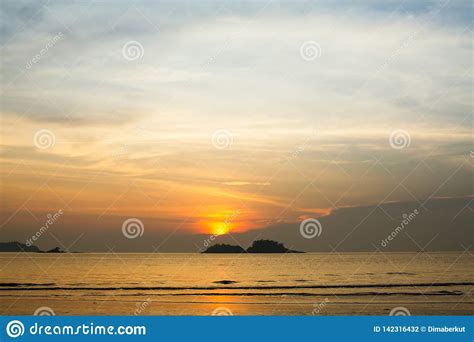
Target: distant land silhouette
{"points": [[16, 246], [258, 246], [224, 248]]}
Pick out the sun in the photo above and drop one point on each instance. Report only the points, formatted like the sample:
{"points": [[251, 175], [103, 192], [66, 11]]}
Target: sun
{"points": [[219, 228], [219, 221]]}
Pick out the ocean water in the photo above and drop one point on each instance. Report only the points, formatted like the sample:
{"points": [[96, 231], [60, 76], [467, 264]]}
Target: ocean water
{"points": [[237, 284]]}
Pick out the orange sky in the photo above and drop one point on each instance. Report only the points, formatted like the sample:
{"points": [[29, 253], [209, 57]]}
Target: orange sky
{"points": [[222, 123]]}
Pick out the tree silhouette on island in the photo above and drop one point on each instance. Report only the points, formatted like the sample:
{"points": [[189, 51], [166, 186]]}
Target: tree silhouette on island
{"points": [[258, 246], [16, 246]]}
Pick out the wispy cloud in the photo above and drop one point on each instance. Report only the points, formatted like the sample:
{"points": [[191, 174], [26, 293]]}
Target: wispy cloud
{"points": [[307, 134]]}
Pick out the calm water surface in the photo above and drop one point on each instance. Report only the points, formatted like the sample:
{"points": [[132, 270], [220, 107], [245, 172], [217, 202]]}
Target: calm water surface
{"points": [[268, 284]]}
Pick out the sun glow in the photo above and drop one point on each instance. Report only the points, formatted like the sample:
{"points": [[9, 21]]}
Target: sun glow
{"points": [[219, 228], [220, 221]]}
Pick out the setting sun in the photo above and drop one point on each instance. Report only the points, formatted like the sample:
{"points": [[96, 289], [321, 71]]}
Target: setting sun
{"points": [[219, 228], [220, 221]]}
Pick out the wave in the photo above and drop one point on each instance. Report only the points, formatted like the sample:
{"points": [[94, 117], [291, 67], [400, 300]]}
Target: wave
{"points": [[269, 294], [25, 284], [52, 286], [305, 294]]}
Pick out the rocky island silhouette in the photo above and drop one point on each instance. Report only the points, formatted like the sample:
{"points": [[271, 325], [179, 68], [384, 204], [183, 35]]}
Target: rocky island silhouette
{"points": [[16, 246], [258, 246]]}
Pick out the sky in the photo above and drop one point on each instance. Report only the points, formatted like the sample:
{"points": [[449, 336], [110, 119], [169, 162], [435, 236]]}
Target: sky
{"points": [[232, 120]]}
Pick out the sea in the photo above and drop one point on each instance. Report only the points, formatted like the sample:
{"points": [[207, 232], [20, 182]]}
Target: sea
{"points": [[237, 284]]}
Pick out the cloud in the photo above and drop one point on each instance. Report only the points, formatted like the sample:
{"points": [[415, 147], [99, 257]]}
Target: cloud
{"points": [[309, 136], [444, 224], [85, 77], [441, 224], [242, 183]]}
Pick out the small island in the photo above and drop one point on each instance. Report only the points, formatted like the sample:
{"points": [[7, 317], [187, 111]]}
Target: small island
{"points": [[258, 246], [224, 248], [16, 246]]}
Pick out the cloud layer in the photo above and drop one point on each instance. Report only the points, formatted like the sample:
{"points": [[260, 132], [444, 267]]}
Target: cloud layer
{"points": [[132, 96]]}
